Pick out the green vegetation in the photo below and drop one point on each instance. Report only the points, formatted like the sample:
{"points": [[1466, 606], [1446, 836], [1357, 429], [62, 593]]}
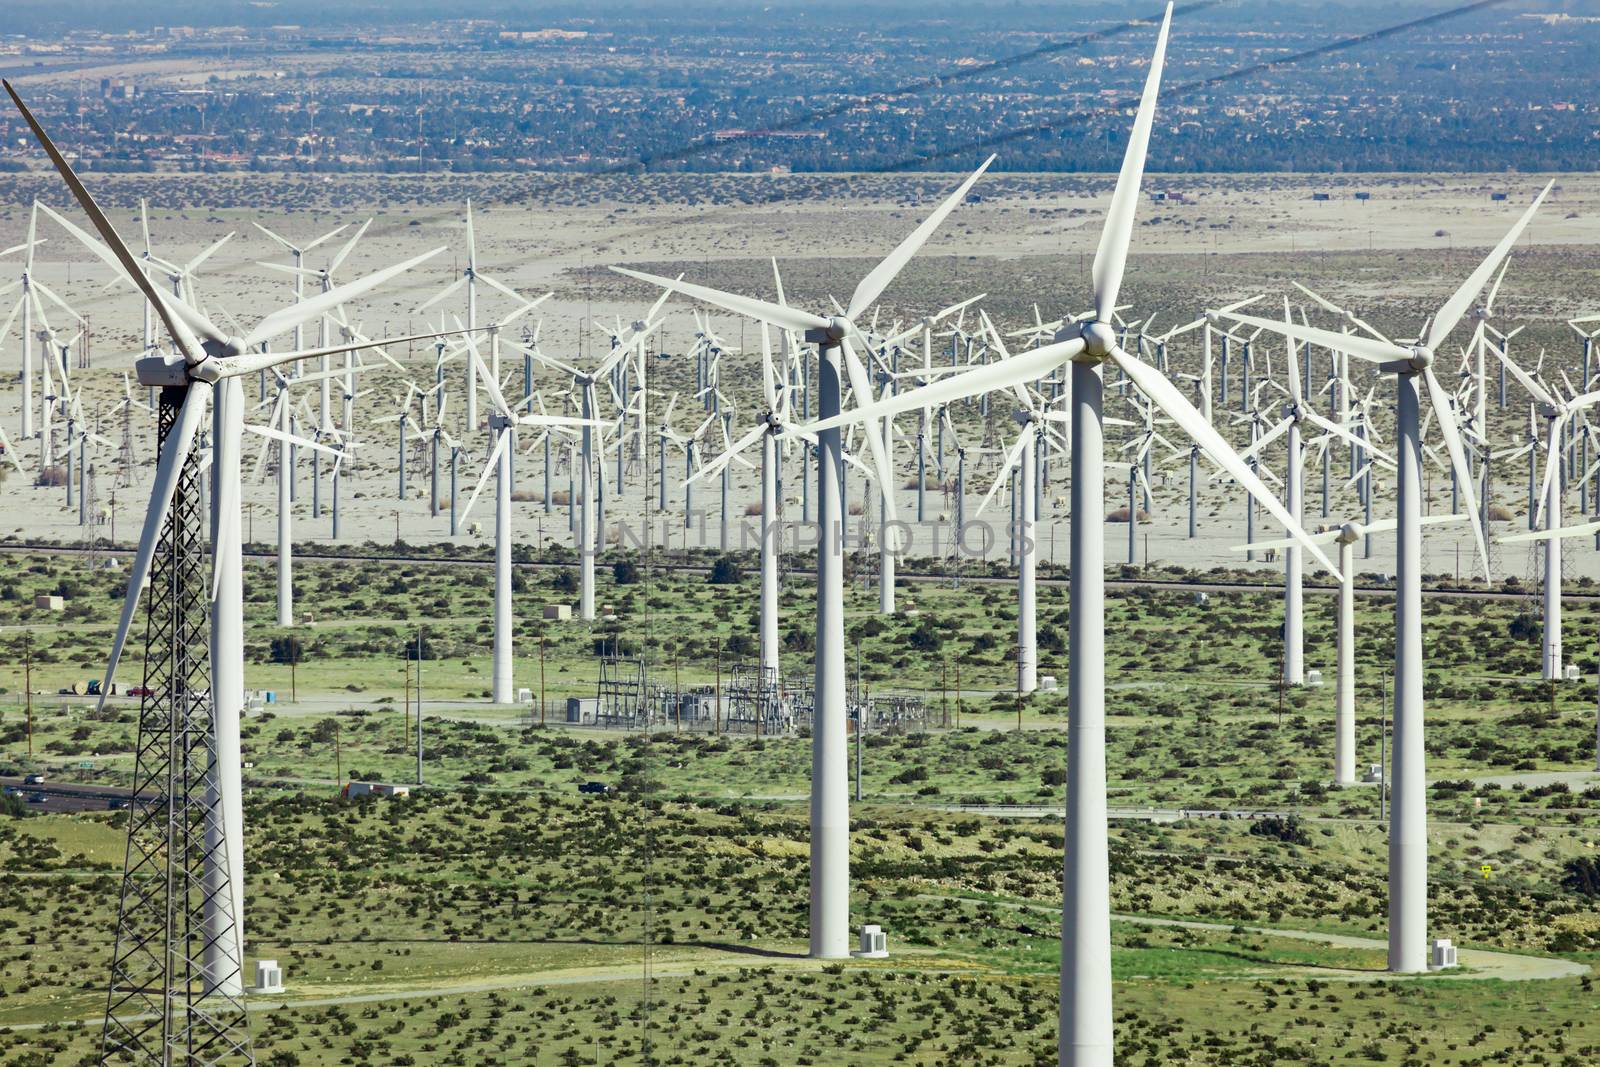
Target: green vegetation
{"points": [[498, 916]]}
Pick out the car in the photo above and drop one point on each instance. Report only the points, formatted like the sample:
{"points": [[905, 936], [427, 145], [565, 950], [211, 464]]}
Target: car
{"points": [[593, 787], [34, 779], [141, 691], [35, 798]]}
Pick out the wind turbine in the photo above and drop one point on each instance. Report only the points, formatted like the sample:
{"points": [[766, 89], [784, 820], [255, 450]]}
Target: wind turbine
{"points": [[836, 357], [1297, 414], [1557, 411], [470, 277], [1346, 535], [1086, 1019], [207, 363], [502, 421], [324, 278], [1408, 826], [26, 300], [769, 429], [1023, 456], [298, 252]]}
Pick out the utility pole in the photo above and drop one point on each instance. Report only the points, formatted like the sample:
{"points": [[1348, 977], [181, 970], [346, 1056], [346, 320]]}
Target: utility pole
{"points": [[27, 683], [541, 679], [405, 704], [716, 709], [958, 694], [861, 722], [419, 705], [1383, 752]]}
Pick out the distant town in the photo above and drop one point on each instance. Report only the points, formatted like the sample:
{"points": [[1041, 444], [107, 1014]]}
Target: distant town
{"points": [[772, 91]]}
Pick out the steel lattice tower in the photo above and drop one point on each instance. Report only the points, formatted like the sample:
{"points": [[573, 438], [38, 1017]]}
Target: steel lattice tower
{"points": [[125, 457], [165, 1007]]}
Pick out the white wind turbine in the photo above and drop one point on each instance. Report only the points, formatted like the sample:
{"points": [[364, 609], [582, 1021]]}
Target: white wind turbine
{"points": [[835, 338], [470, 277], [502, 421], [1086, 1019], [1023, 457], [26, 300], [1408, 827], [296, 251], [206, 365], [1296, 415], [770, 427], [1346, 536], [1557, 411], [324, 278], [1554, 535]]}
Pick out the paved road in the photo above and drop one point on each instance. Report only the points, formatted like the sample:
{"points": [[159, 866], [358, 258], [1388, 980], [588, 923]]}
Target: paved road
{"points": [[67, 796]]}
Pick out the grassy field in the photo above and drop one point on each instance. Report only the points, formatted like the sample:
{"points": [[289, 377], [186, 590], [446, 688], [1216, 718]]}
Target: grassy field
{"points": [[498, 917]]}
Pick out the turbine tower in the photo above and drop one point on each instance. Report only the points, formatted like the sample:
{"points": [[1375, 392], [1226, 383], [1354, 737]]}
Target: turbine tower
{"points": [[1085, 992], [176, 970], [835, 338], [1413, 368]]}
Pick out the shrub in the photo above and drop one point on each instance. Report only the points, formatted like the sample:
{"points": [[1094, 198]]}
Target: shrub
{"points": [[725, 572]]}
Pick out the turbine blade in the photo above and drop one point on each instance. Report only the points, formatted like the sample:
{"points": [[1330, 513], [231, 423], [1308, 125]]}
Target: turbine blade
{"points": [[1369, 349], [174, 453], [286, 319], [1457, 305], [1169, 399], [1458, 461], [877, 280], [108, 233], [500, 440], [776, 314], [980, 379], [1112, 254], [861, 385]]}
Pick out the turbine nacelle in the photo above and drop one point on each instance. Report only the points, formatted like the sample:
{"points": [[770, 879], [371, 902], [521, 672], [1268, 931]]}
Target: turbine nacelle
{"points": [[162, 371], [1349, 534], [1420, 358]]}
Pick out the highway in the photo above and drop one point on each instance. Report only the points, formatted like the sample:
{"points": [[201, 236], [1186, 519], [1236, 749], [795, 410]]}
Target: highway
{"points": [[66, 796]]}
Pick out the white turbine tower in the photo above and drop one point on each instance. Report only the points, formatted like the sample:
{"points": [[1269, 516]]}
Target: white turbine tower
{"points": [[1344, 701], [835, 338], [1086, 1020], [1023, 457], [773, 423], [207, 363], [1296, 415], [1558, 411], [1554, 535], [1408, 826], [502, 421], [26, 300]]}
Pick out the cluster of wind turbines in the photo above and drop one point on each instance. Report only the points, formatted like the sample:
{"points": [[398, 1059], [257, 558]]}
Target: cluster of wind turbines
{"points": [[1088, 344], [1058, 382]]}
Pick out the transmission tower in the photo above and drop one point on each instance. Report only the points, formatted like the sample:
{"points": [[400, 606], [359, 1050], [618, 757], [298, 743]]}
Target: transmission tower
{"points": [[167, 1007], [125, 457], [90, 513]]}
